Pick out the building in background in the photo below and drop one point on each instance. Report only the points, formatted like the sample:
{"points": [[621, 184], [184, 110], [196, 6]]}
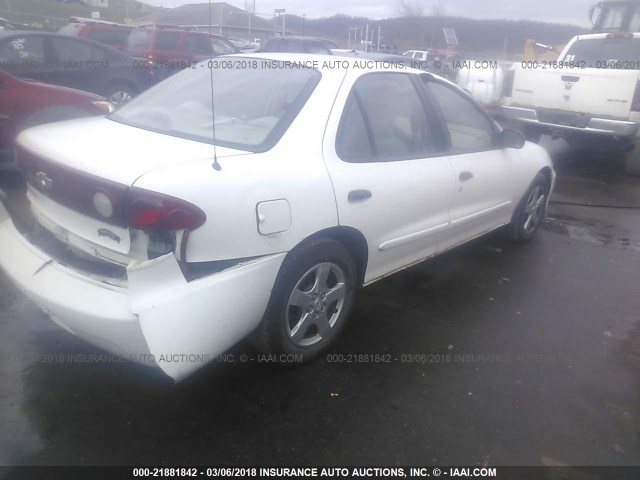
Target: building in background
{"points": [[226, 20]]}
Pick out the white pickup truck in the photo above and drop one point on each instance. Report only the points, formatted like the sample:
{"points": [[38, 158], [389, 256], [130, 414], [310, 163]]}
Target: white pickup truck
{"points": [[589, 96]]}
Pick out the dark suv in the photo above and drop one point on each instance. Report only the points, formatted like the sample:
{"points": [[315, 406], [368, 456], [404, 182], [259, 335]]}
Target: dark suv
{"points": [[167, 50], [299, 45], [112, 34]]}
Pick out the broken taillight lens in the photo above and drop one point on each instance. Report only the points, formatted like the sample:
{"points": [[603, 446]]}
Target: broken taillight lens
{"points": [[147, 210]]}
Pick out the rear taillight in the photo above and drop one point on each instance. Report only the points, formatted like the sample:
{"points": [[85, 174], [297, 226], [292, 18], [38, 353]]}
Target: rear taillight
{"points": [[149, 62], [507, 84], [635, 103], [108, 201], [147, 210]]}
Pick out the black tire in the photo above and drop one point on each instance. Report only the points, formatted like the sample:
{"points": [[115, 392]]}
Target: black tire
{"points": [[120, 93], [519, 230], [277, 332]]}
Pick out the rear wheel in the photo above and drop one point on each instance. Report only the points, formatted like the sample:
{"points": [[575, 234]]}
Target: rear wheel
{"points": [[120, 93], [310, 301], [530, 211]]}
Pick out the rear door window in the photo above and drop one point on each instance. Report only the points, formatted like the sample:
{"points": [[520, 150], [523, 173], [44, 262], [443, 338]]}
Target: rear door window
{"points": [[469, 129], [68, 50], [167, 40], [385, 120]]}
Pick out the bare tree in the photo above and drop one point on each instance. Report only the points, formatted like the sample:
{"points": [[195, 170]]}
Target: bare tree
{"points": [[411, 8], [439, 8]]}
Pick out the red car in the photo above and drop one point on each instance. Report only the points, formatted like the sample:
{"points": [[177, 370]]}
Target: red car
{"points": [[26, 103], [166, 50]]}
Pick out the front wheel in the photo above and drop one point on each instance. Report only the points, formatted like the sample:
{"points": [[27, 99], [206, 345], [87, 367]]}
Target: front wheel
{"points": [[310, 301], [530, 211]]}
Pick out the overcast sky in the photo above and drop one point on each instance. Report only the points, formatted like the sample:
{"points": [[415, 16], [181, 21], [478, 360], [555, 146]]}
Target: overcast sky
{"points": [[562, 11]]}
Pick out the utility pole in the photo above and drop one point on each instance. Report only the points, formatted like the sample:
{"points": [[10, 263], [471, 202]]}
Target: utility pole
{"points": [[278, 11], [366, 41], [378, 41]]}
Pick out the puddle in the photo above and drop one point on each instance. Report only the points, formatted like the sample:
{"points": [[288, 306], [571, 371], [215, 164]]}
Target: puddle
{"points": [[591, 232]]}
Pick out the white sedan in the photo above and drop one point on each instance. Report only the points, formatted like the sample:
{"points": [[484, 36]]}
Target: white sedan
{"points": [[194, 217]]}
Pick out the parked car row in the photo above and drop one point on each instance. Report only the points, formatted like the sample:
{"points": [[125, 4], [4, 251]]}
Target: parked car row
{"points": [[71, 62], [160, 49]]}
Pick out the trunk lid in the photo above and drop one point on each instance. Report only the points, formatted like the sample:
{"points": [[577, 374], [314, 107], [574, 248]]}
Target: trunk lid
{"points": [[67, 163]]}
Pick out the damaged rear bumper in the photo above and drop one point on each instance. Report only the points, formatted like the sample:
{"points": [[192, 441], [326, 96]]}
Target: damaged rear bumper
{"points": [[158, 318]]}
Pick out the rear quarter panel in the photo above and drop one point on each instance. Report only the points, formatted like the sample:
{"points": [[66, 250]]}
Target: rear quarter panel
{"points": [[293, 170]]}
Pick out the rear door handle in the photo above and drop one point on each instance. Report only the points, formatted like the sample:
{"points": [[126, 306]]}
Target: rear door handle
{"points": [[464, 176], [356, 196]]}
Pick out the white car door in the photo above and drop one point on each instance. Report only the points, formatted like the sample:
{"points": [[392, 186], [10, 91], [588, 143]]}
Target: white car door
{"points": [[483, 168], [391, 180]]}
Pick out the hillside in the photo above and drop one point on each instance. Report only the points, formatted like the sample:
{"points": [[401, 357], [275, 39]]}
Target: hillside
{"points": [[480, 36], [53, 14], [474, 36]]}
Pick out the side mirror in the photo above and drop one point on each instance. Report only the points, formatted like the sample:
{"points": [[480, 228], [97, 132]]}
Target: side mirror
{"points": [[512, 139]]}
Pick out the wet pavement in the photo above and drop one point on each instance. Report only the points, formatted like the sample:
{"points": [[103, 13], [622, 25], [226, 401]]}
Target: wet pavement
{"points": [[493, 354]]}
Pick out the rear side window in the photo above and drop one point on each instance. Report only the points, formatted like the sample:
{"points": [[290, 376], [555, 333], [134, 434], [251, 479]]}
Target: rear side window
{"points": [[195, 43], [614, 53], [354, 143], [109, 36], [384, 120], [140, 39], [22, 50], [167, 40]]}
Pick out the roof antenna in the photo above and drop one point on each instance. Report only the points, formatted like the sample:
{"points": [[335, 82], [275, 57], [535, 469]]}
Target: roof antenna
{"points": [[216, 166]]}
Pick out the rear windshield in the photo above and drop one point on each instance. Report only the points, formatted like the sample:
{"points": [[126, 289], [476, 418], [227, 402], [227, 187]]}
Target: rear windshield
{"points": [[253, 106], [110, 36], [614, 53], [69, 29]]}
